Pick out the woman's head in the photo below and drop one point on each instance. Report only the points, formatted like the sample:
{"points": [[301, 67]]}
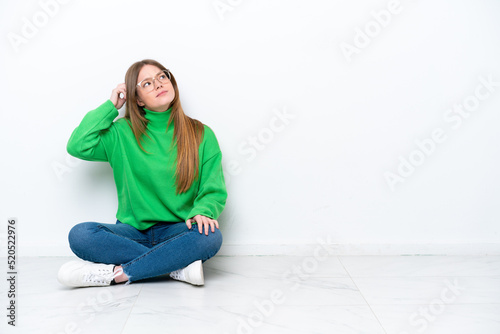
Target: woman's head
{"points": [[150, 85]]}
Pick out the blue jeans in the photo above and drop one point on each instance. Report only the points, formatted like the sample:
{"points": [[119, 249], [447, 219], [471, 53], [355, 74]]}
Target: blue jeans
{"points": [[158, 250]]}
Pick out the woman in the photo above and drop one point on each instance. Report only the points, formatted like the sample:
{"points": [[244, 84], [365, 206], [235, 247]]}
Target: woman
{"points": [[169, 180]]}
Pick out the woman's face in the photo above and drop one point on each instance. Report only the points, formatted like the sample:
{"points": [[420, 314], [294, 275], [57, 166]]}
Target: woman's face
{"points": [[154, 95]]}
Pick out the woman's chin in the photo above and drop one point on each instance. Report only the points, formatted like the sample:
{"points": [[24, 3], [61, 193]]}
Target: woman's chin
{"points": [[159, 106], [163, 101]]}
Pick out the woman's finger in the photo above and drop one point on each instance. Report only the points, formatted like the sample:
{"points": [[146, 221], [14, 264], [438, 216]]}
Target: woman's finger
{"points": [[206, 223], [212, 225], [199, 221], [119, 95]]}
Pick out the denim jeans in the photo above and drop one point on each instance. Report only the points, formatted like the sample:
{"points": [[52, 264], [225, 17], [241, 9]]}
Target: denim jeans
{"points": [[158, 250]]}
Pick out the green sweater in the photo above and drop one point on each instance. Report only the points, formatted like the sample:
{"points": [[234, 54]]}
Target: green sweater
{"points": [[145, 183]]}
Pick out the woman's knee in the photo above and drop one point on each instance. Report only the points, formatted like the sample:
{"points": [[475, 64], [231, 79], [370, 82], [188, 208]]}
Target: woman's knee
{"points": [[217, 239], [80, 235], [211, 243]]}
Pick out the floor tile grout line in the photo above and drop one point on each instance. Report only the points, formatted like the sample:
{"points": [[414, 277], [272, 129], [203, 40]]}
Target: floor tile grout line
{"points": [[366, 301], [131, 309]]}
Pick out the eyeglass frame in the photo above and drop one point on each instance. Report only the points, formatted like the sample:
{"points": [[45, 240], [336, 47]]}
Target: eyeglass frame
{"points": [[166, 71]]}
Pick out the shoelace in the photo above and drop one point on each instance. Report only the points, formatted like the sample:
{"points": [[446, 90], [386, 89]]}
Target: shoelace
{"points": [[102, 277]]}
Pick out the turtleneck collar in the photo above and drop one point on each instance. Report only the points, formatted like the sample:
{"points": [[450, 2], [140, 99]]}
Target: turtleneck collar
{"points": [[157, 120]]}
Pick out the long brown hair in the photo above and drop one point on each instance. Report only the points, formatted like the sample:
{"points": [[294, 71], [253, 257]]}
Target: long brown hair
{"points": [[188, 132]]}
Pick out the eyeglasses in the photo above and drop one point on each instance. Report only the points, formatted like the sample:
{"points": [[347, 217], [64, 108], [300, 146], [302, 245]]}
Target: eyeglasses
{"points": [[147, 85]]}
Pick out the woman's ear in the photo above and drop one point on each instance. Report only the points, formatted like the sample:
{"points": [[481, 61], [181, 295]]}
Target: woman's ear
{"points": [[140, 103]]}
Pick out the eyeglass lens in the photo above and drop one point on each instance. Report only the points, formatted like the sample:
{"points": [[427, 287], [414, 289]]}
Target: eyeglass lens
{"points": [[148, 83]]}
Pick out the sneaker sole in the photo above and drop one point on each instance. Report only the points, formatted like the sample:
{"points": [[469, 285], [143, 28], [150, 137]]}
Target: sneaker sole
{"points": [[197, 268]]}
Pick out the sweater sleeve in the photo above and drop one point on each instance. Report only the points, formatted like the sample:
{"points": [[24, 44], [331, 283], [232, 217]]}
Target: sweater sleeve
{"points": [[86, 141], [212, 193]]}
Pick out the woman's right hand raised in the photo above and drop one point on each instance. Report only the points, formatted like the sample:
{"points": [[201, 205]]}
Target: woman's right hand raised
{"points": [[115, 95]]}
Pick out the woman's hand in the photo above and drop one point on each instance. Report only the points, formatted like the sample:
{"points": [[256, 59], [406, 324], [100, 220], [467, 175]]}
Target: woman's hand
{"points": [[203, 223], [115, 95]]}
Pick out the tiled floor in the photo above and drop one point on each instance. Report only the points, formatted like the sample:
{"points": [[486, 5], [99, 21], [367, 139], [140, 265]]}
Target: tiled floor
{"points": [[272, 294]]}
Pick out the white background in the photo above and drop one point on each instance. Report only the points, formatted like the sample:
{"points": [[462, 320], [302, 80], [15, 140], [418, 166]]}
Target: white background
{"points": [[320, 173]]}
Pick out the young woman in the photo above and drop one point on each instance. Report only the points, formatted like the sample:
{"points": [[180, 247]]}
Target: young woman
{"points": [[169, 180]]}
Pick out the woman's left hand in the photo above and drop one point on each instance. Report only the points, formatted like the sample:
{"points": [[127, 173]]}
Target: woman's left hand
{"points": [[203, 223]]}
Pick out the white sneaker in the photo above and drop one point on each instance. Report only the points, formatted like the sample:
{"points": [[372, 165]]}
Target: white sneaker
{"points": [[84, 273], [191, 274]]}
